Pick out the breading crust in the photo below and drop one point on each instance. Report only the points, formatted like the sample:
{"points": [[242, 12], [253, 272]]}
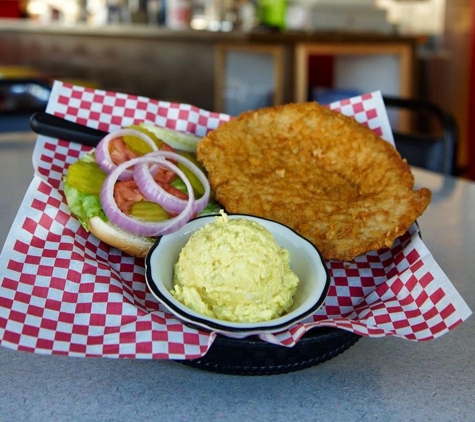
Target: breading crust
{"points": [[321, 173]]}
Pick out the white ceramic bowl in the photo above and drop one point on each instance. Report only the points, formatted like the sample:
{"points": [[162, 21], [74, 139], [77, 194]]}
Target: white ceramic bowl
{"points": [[305, 261]]}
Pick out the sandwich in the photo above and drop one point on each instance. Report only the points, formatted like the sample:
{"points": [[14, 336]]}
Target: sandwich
{"points": [[139, 183]]}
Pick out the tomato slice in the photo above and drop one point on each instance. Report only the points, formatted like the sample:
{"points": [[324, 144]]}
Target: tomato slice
{"points": [[119, 151], [126, 192]]}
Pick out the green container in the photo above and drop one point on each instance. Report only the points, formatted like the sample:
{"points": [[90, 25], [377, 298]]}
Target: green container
{"points": [[271, 13]]}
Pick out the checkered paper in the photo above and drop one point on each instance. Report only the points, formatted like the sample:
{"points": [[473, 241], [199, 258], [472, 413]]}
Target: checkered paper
{"points": [[64, 292]]}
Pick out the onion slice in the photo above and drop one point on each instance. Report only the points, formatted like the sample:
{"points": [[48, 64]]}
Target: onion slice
{"points": [[133, 225], [103, 156], [143, 176]]}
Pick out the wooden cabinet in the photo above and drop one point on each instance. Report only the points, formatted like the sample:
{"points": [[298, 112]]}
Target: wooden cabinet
{"points": [[249, 76], [358, 68], [361, 66], [228, 72], [255, 74]]}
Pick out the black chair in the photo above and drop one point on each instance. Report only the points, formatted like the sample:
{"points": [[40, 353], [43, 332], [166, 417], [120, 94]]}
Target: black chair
{"points": [[430, 146], [19, 99]]}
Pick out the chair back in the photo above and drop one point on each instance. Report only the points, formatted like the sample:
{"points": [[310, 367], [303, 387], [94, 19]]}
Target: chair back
{"points": [[19, 99], [429, 147]]}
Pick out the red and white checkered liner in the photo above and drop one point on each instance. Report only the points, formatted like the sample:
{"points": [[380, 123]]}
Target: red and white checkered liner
{"points": [[64, 292]]}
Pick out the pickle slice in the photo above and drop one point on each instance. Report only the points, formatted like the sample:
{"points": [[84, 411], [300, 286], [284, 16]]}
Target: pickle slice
{"points": [[197, 186], [137, 145], [86, 177], [148, 211]]}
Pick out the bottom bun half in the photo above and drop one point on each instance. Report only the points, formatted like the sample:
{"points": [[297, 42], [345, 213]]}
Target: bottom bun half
{"points": [[119, 238]]}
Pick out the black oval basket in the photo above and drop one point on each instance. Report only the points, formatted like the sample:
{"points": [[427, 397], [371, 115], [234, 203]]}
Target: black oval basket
{"points": [[252, 356]]}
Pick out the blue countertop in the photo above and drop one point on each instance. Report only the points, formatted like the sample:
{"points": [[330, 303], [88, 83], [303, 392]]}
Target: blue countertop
{"points": [[386, 379]]}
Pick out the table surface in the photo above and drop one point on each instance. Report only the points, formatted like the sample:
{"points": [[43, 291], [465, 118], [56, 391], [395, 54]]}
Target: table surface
{"points": [[386, 379]]}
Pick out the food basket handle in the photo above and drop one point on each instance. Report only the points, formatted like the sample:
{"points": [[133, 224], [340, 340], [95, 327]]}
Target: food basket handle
{"points": [[57, 127]]}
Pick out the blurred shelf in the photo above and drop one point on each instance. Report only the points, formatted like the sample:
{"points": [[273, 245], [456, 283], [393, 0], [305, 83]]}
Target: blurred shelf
{"points": [[154, 61], [159, 32]]}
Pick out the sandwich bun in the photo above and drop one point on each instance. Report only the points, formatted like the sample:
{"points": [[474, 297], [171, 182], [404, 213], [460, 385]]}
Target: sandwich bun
{"points": [[109, 232], [119, 238]]}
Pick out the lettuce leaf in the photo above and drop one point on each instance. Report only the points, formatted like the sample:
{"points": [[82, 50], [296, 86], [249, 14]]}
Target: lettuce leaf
{"points": [[82, 205]]}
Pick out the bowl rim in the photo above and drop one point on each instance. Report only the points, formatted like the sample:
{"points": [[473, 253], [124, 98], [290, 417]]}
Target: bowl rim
{"points": [[271, 326]]}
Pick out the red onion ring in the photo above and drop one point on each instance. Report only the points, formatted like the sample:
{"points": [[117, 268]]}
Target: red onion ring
{"points": [[143, 176], [103, 156], [133, 225]]}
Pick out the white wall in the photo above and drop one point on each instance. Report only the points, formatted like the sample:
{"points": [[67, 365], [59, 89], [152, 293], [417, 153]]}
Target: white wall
{"points": [[411, 17], [417, 16]]}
